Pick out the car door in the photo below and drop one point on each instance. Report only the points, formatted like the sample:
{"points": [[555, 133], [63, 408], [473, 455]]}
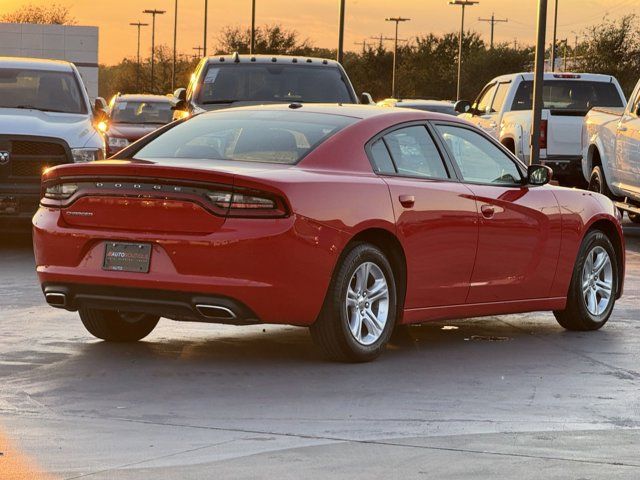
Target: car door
{"points": [[436, 216], [493, 117], [480, 113], [627, 156], [520, 225]]}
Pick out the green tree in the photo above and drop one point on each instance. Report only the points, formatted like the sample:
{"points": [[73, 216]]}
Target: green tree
{"points": [[269, 39], [44, 14]]}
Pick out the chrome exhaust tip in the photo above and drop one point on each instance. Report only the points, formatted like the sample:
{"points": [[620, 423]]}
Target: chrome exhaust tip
{"points": [[216, 312], [56, 299]]}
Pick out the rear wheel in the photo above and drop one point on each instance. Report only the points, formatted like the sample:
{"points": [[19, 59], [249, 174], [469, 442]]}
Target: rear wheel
{"points": [[359, 312], [593, 286], [114, 326]]}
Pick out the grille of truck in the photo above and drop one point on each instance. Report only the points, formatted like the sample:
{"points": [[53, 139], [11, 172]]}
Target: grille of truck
{"points": [[28, 158]]}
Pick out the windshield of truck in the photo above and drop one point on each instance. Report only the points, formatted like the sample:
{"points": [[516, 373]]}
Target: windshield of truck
{"points": [[570, 95], [273, 83], [44, 90], [141, 112]]}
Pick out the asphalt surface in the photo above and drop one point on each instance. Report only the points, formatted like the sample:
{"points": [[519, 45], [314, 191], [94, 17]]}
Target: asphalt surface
{"points": [[497, 397]]}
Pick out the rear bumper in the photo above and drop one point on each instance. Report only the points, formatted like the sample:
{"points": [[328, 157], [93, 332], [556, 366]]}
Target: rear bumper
{"points": [[278, 270], [564, 165]]}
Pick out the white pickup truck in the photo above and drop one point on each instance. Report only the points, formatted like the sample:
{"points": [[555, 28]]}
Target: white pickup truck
{"points": [[46, 118], [503, 109], [611, 154]]}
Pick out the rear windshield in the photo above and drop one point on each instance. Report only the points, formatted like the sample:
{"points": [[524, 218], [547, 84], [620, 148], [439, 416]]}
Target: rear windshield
{"points": [[40, 90], [248, 136], [576, 95], [141, 112], [273, 83]]}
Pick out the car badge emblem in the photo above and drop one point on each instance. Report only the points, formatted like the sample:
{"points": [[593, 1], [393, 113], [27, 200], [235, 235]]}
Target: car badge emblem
{"points": [[4, 157]]}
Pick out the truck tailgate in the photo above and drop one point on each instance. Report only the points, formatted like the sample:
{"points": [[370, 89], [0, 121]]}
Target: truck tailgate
{"points": [[564, 133]]}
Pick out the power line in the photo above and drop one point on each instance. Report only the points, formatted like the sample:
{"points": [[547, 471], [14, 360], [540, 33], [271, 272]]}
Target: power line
{"points": [[493, 20]]}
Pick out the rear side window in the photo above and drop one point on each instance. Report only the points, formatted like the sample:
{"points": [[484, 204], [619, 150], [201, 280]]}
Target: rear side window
{"points": [[272, 83], [248, 136], [414, 153], [382, 162], [569, 95]]}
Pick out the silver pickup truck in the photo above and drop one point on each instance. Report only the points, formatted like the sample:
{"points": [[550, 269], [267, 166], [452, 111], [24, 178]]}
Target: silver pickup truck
{"points": [[611, 153]]}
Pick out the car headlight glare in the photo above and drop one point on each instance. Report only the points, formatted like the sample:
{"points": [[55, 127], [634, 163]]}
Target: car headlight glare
{"points": [[81, 155]]}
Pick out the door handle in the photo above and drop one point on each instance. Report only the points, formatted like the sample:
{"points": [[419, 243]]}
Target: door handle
{"points": [[487, 211], [407, 201], [622, 128]]}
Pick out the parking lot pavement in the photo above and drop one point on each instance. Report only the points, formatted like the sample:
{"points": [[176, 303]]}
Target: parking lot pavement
{"points": [[497, 397]]}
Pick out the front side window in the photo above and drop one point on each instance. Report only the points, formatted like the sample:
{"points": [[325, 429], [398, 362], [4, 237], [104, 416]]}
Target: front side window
{"points": [[501, 94], [414, 153], [479, 160], [49, 91], [248, 136], [484, 100], [272, 83]]}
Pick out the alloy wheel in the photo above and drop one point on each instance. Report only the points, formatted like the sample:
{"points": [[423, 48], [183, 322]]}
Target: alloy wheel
{"points": [[597, 281]]}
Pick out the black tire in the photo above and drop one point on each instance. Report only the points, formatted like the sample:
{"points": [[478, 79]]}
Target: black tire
{"points": [[113, 326], [634, 217], [597, 182], [576, 315], [331, 330]]}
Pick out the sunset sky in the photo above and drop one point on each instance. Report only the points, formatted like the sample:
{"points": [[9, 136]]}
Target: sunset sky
{"points": [[317, 19]]}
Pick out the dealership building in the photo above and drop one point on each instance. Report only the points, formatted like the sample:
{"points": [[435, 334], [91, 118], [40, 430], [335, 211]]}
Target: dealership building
{"points": [[77, 44]]}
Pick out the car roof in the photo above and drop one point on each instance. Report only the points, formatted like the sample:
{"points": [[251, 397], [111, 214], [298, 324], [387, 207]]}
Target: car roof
{"points": [[361, 112], [301, 60], [36, 64], [143, 97], [528, 76], [445, 103]]}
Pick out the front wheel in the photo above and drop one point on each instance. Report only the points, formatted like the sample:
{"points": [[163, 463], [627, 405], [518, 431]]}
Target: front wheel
{"points": [[113, 326], [597, 182], [359, 312], [593, 286]]}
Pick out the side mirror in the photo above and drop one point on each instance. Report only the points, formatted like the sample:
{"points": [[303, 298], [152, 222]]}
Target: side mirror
{"points": [[462, 106], [100, 108], [180, 94], [366, 99], [539, 174]]}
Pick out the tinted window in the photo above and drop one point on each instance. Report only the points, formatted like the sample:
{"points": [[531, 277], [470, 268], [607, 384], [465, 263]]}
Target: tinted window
{"points": [[272, 83], [414, 153], [141, 112], [484, 100], [569, 95], [250, 136], [381, 159], [479, 159], [41, 90], [501, 93]]}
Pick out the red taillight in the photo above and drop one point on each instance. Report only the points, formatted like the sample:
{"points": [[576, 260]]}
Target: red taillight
{"points": [[566, 75], [543, 134], [248, 203]]}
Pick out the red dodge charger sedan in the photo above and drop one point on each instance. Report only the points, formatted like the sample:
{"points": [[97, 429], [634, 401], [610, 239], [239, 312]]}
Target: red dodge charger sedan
{"points": [[350, 220]]}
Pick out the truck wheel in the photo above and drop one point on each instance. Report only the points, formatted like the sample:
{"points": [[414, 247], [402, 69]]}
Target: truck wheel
{"points": [[597, 182], [634, 217], [113, 326], [592, 292], [359, 312]]}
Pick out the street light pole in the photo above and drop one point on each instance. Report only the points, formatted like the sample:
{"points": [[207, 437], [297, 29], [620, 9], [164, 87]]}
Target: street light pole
{"points": [[538, 83], [555, 33], [252, 46], [175, 37], [463, 4], [204, 41], [153, 14], [395, 52], [340, 55], [138, 24]]}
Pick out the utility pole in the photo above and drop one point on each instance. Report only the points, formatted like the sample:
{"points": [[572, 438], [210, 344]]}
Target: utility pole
{"points": [[462, 3], [204, 41], [252, 46], [153, 14], [175, 37], [381, 38], [575, 51], [397, 20], [555, 33], [538, 82], [363, 43], [564, 61], [138, 24], [340, 56], [199, 50], [493, 20]]}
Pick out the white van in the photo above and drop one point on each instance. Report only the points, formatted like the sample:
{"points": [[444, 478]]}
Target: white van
{"points": [[46, 119]]}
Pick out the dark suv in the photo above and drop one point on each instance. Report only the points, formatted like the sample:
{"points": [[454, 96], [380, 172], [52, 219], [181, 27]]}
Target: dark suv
{"points": [[234, 80]]}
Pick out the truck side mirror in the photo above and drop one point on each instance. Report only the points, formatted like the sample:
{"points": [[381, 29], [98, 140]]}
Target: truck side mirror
{"points": [[462, 106], [180, 94], [366, 99], [100, 109]]}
